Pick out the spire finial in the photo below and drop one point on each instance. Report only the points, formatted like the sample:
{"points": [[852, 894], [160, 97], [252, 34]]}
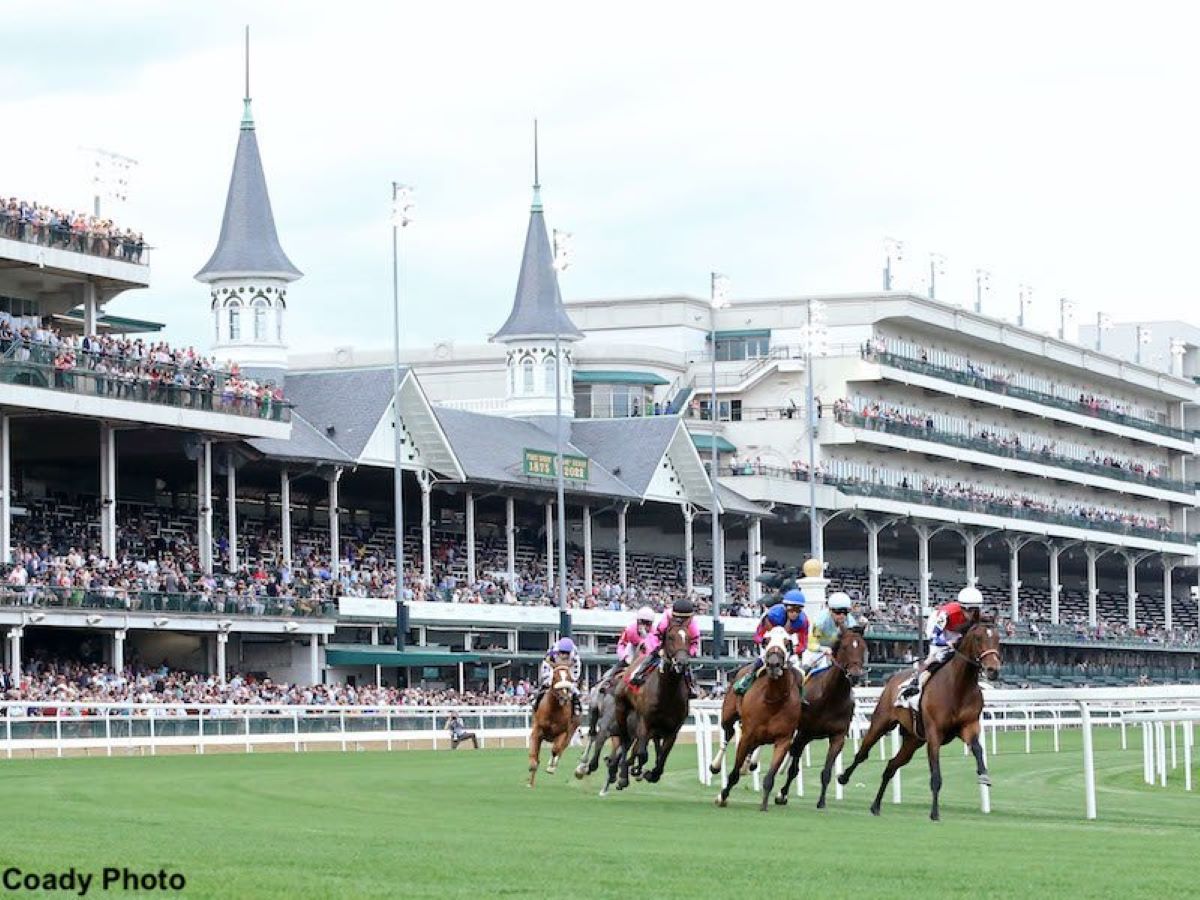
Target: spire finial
{"points": [[537, 182], [247, 118]]}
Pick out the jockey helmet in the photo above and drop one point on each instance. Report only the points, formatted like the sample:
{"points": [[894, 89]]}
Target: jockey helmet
{"points": [[645, 614], [564, 645], [683, 608], [794, 597], [839, 602], [970, 596]]}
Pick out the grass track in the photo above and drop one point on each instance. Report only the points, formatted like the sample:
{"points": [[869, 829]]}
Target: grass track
{"points": [[435, 824]]}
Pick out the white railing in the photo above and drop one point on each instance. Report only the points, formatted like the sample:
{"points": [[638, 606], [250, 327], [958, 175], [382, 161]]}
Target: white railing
{"points": [[481, 404]]}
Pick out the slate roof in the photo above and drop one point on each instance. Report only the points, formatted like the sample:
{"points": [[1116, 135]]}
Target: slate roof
{"points": [[635, 446], [491, 448], [733, 502], [537, 308], [248, 244], [306, 443], [351, 400]]}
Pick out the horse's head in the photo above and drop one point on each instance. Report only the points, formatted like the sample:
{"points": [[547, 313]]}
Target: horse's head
{"points": [[850, 654], [981, 646], [778, 643], [562, 683], [675, 646]]}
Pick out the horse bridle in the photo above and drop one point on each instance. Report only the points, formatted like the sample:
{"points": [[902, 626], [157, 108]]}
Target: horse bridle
{"points": [[977, 662]]}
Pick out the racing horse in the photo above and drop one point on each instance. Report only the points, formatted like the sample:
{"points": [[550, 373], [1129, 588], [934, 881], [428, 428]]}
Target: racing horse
{"points": [[554, 720], [770, 714], [829, 707], [601, 727], [653, 712], [949, 707]]}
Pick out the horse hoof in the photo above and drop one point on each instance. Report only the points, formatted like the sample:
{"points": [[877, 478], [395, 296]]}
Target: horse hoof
{"points": [[581, 773], [715, 768], [762, 807], [985, 780], [753, 767], [820, 804], [721, 801], [934, 817], [844, 779], [781, 801], [653, 777], [874, 809]]}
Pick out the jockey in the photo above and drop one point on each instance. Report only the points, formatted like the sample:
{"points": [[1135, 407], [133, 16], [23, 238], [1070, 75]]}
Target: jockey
{"points": [[826, 630], [681, 613], [629, 644], [563, 653], [945, 628], [788, 615]]}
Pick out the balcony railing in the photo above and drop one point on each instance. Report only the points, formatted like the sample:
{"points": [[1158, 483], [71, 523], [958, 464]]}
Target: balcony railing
{"points": [[935, 498], [42, 597], [904, 429], [1000, 386], [61, 236], [33, 365]]}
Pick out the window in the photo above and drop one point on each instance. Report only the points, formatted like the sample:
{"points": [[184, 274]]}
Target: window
{"points": [[527, 376], [548, 374], [738, 348], [260, 319], [279, 323], [235, 323], [217, 327], [512, 381], [583, 401]]}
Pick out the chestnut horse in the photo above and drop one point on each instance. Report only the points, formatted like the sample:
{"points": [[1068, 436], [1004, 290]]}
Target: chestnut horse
{"points": [[951, 704], [554, 720], [770, 714], [653, 712], [829, 707]]}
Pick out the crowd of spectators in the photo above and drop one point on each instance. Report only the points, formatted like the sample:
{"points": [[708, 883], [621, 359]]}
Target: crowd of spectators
{"points": [[40, 224], [132, 368]]}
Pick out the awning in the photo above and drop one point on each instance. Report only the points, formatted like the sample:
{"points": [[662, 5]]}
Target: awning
{"points": [[614, 377], [389, 656], [744, 333], [705, 442]]}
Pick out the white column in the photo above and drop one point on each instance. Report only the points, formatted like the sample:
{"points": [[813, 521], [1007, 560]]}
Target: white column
{"points": [[1015, 544], [426, 481], [5, 489], [1168, 617], [91, 308], [204, 503], [375, 643], [314, 660], [587, 549], [971, 540], [1091, 584], [1055, 586], [231, 511], [923, 535], [285, 516], [118, 650], [222, 640], [622, 537], [108, 491], [549, 545], [470, 537], [689, 562], [873, 571], [335, 530], [510, 534], [755, 558], [1131, 587], [14, 652]]}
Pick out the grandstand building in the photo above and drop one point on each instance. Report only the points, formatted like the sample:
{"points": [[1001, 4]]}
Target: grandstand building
{"points": [[241, 518]]}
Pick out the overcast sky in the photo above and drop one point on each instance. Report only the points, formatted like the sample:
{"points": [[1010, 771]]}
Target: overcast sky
{"points": [[1053, 144]]}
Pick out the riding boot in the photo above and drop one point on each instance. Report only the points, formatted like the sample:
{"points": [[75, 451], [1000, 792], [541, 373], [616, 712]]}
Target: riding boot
{"points": [[537, 698], [690, 680], [743, 684], [643, 669]]}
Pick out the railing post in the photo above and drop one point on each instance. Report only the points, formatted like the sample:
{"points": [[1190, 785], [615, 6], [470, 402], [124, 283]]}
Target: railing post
{"points": [[1089, 761], [296, 730], [153, 749]]}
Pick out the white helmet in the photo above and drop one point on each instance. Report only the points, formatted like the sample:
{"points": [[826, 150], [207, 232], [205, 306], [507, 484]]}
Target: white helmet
{"points": [[970, 596], [645, 614], [840, 602]]}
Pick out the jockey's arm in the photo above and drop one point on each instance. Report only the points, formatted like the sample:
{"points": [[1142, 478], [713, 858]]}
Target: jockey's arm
{"points": [[937, 621], [576, 666]]}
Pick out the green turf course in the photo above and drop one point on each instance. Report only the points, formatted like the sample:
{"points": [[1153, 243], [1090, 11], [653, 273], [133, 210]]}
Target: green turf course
{"points": [[436, 823]]}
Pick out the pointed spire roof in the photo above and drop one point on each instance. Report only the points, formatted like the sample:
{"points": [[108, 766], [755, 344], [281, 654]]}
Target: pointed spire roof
{"points": [[538, 310], [248, 244]]}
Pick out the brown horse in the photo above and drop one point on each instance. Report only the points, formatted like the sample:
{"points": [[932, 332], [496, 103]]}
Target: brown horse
{"points": [[770, 714], [951, 704], [653, 712], [554, 720]]}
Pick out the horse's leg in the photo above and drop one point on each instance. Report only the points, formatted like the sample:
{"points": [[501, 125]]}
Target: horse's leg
{"points": [[835, 747], [735, 773], [882, 721], [752, 761], [907, 749], [614, 763], [631, 738], [662, 751], [558, 748], [970, 736], [933, 745], [535, 752], [781, 750], [793, 770], [638, 747], [727, 725]]}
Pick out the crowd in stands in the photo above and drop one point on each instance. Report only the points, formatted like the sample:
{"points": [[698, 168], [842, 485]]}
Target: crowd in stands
{"points": [[40, 224], [131, 368]]}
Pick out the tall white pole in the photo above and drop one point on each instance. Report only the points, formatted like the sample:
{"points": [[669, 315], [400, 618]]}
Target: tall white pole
{"points": [[718, 562], [400, 218]]}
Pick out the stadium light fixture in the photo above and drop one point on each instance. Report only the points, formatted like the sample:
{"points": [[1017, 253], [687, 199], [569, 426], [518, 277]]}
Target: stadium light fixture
{"points": [[1066, 312], [937, 266], [225, 624], [110, 174], [290, 627], [983, 285], [94, 619], [162, 622], [564, 250], [1024, 301], [1104, 323], [1144, 337], [893, 252], [34, 618]]}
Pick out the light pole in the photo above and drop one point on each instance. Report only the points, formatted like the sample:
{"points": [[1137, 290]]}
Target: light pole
{"points": [[983, 283], [937, 266], [1103, 323], [402, 212], [813, 345], [1024, 300], [1065, 309], [1144, 336], [893, 252], [718, 299], [562, 259]]}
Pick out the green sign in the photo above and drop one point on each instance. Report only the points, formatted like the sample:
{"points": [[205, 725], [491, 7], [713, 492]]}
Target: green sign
{"points": [[540, 464]]}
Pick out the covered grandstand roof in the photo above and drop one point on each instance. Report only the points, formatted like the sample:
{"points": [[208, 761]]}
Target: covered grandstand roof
{"points": [[345, 405], [633, 446], [306, 443]]}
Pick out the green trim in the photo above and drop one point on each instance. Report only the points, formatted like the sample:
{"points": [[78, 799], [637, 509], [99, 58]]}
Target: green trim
{"points": [[743, 333], [122, 323], [705, 442], [616, 377], [389, 656]]}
